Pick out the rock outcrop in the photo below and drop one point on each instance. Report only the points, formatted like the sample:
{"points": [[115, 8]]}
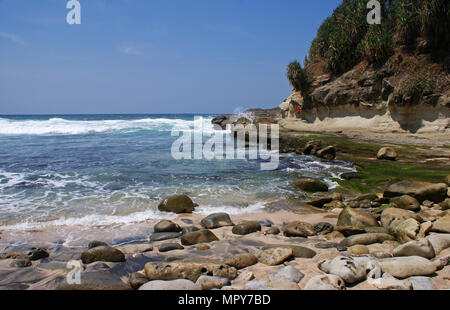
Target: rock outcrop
{"points": [[365, 100]]}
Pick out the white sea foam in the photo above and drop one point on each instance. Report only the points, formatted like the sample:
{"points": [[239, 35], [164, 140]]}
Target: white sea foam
{"points": [[92, 220], [254, 208], [60, 126]]}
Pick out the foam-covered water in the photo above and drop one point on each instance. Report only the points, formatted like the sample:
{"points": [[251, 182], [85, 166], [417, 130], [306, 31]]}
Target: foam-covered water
{"points": [[103, 170]]}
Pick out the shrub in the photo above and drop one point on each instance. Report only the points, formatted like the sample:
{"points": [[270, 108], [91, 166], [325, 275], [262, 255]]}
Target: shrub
{"points": [[405, 18], [418, 84], [378, 44], [300, 78], [437, 22]]}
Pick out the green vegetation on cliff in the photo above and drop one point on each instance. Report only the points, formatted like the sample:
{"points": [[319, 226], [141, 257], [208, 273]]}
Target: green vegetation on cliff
{"points": [[345, 38]]}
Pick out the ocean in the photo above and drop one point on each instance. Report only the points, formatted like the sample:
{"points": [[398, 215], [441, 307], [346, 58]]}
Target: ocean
{"points": [[91, 170]]}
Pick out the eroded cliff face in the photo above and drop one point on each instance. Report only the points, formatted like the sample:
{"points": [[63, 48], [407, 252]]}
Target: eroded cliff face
{"points": [[365, 99]]}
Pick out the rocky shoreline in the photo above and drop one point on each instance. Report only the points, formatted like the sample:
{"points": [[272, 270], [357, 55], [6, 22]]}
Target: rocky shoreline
{"points": [[328, 240]]}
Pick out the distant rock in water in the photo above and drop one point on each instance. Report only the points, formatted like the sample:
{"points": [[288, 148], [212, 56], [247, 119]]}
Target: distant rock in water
{"points": [[311, 185]]}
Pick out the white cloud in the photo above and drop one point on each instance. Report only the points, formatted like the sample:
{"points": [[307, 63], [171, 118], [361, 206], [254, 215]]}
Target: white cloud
{"points": [[12, 37], [129, 50]]}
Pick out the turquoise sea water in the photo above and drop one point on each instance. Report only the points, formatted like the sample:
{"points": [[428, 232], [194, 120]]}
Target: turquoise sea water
{"points": [[100, 169]]}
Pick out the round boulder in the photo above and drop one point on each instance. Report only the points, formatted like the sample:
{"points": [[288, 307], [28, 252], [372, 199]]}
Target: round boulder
{"points": [[422, 248], [202, 236], [299, 229], [167, 226], [177, 204], [406, 202], [246, 228], [387, 153], [216, 220], [102, 254], [311, 185], [328, 152]]}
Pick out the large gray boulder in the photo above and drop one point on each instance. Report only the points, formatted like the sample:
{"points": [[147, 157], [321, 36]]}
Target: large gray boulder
{"points": [[356, 218], [422, 191], [405, 267], [352, 269], [439, 242], [287, 274], [421, 247], [405, 231], [216, 220], [442, 225]]}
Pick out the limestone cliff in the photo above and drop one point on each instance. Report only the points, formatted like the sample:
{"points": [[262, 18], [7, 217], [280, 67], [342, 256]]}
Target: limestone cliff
{"points": [[366, 99]]}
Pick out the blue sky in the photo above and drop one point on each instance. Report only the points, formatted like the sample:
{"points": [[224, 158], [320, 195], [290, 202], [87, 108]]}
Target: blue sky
{"points": [[152, 56]]}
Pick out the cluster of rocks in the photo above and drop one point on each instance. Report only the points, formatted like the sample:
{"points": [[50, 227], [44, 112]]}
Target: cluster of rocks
{"points": [[313, 148], [412, 216], [25, 259], [395, 240]]}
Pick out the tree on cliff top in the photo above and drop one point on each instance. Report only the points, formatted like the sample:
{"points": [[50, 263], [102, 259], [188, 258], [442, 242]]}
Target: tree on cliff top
{"points": [[300, 78]]}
